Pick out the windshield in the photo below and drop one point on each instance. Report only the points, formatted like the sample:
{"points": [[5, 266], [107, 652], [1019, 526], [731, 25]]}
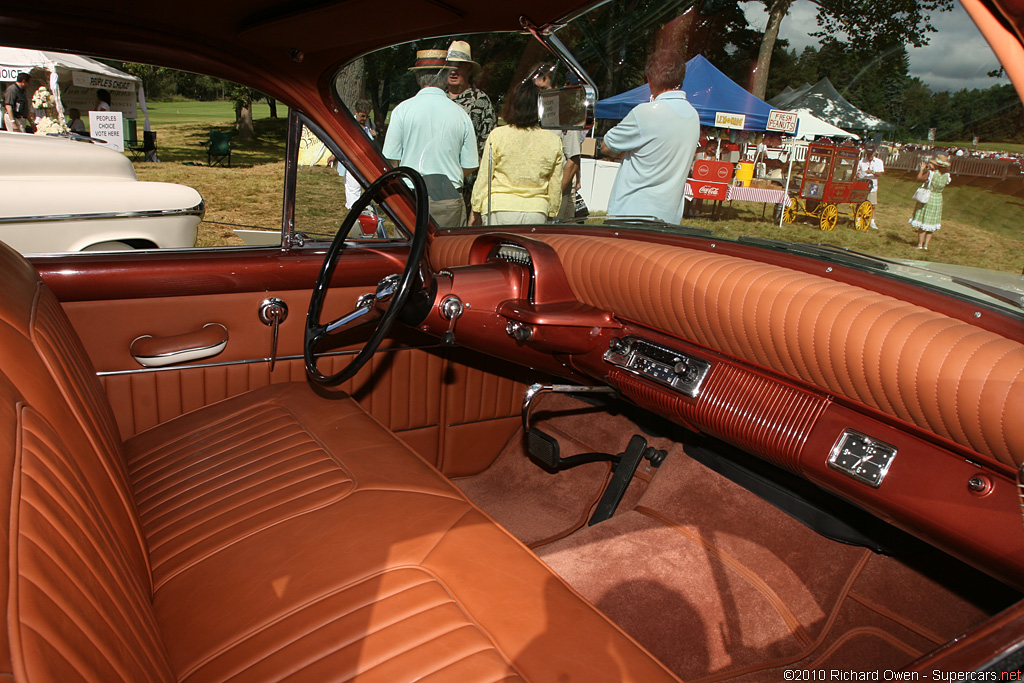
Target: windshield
{"points": [[903, 143]]}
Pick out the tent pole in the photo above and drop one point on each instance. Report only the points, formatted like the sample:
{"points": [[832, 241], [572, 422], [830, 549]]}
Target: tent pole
{"points": [[55, 91], [789, 174], [145, 111]]}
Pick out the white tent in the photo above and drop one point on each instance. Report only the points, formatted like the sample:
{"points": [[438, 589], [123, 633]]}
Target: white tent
{"points": [[810, 126], [73, 80]]}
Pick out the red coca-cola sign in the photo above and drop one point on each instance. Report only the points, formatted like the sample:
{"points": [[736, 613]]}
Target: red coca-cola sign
{"points": [[717, 171], [708, 190]]}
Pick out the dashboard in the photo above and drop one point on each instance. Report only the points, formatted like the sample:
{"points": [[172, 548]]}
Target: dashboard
{"points": [[519, 305]]}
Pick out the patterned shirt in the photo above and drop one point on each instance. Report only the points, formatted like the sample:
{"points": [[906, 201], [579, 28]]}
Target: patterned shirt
{"points": [[477, 104]]}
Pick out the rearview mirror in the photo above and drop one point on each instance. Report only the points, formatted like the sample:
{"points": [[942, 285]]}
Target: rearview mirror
{"points": [[568, 108]]}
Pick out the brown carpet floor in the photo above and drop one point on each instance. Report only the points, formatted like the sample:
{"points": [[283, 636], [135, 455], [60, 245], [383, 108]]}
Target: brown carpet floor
{"points": [[717, 583]]}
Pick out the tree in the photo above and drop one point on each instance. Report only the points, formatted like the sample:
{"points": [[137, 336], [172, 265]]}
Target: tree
{"points": [[243, 98], [873, 27]]}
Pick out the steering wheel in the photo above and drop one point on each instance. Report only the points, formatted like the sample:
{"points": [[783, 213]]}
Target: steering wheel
{"points": [[384, 305]]}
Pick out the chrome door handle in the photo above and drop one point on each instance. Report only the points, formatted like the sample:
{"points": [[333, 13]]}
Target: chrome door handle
{"points": [[273, 312]]}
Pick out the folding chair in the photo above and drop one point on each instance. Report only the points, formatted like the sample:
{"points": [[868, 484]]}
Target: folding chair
{"points": [[148, 148], [218, 148]]}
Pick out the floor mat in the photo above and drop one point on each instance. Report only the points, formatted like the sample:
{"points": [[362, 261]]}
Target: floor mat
{"points": [[720, 585], [534, 505], [539, 507]]}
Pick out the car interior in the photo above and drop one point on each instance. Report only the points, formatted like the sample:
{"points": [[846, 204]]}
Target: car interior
{"points": [[544, 453]]}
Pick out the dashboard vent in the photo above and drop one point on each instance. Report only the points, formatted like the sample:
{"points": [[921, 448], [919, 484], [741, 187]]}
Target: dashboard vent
{"points": [[513, 253], [760, 415]]}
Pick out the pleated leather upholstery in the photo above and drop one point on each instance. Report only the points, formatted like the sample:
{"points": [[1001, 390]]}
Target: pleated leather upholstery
{"points": [[944, 375], [290, 536], [78, 609], [44, 359]]}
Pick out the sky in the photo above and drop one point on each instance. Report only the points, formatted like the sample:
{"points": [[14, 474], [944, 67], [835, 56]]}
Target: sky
{"points": [[956, 57]]}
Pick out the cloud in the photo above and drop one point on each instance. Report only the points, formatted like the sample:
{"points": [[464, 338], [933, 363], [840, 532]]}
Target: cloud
{"points": [[956, 57]]}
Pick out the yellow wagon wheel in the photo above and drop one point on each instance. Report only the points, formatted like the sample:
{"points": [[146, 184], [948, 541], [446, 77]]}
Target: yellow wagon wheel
{"points": [[863, 215], [790, 211], [829, 216]]}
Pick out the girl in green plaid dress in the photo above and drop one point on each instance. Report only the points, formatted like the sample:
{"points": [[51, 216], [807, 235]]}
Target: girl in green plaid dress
{"points": [[927, 218]]}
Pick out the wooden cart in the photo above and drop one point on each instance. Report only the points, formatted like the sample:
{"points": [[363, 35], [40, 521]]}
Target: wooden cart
{"points": [[827, 183]]}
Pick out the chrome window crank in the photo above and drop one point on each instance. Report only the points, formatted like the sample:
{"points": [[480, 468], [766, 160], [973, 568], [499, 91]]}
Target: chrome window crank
{"points": [[273, 312]]}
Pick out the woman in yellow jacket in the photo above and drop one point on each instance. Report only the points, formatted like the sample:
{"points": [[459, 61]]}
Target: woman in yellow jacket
{"points": [[520, 179]]}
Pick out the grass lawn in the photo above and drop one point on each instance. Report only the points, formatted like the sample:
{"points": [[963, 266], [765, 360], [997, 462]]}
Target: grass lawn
{"points": [[981, 224], [248, 194], [187, 111]]}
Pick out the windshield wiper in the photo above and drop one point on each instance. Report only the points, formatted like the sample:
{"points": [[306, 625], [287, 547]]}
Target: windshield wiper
{"points": [[1009, 296], [648, 223], [828, 252], [850, 257]]}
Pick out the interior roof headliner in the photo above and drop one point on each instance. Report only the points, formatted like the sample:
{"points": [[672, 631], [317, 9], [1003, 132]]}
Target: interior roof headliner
{"points": [[227, 37]]}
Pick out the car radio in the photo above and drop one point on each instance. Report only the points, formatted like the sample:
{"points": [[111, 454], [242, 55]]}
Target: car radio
{"points": [[680, 371]]}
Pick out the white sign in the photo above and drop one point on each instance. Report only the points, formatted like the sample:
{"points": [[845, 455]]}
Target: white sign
{"points": [[106, 125], [85, 79], [782, 121], [727, 120], [10, 73], [549, 113]]}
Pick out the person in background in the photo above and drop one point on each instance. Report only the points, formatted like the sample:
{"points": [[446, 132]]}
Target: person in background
{"points": [[75, 123], [102, 100], [16, 111], [362, 115], [462, 92], [871, 168], [473, 100], [572, 141], [657, 142], [433, 135], [361, 112], [520, 179], [927, 218]]}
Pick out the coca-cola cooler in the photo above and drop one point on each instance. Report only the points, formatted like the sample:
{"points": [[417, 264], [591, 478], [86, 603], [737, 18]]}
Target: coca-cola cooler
{"points": [[709, 179]]}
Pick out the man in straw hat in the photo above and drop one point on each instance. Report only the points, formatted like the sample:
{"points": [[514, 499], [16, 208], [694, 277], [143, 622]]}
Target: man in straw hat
{"points": [[433, 135], [461, 90]]}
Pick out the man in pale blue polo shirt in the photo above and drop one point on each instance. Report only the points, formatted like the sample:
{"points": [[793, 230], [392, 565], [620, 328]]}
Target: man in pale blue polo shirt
{"points": [[432, 134], [657, 141]]}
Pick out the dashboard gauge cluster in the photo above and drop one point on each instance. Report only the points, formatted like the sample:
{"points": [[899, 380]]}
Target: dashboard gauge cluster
{"points": [[675, 369], [513, 253]]}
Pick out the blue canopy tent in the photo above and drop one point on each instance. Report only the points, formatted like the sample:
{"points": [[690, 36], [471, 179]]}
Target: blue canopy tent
{"points": [[707, 89]]}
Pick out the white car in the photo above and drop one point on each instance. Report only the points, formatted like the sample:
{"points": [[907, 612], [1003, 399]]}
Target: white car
{"points": [[69, 195]]}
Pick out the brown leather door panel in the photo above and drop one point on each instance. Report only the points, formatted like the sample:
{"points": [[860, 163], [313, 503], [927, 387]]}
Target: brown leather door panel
{"points": [[412, 391]]}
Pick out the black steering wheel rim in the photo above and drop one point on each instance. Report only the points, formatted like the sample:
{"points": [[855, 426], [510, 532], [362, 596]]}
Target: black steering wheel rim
{"points": [[315, 331]]}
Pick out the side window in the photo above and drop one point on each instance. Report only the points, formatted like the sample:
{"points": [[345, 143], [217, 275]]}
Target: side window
{"points": [[325, 190], [128, 156]]}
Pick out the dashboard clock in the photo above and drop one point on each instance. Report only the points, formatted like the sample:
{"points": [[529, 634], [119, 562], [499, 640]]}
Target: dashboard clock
{"points": [[862, 457]]}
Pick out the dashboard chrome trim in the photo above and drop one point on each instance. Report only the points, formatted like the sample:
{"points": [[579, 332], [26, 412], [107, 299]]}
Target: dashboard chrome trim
{"points": [[682, 372]]}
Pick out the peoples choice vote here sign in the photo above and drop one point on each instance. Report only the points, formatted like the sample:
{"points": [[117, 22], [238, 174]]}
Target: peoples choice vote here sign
{"points": [[106, 125]]}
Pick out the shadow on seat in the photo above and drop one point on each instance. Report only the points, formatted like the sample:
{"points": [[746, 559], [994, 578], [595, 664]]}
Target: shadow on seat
{"points": [[218, 148]]}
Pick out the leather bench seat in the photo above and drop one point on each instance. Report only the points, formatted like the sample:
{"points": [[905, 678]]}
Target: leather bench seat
{"points": [[277, 535]]}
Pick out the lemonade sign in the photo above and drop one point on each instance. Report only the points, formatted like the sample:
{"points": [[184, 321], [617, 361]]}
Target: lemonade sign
{"points": [[727, 120]]}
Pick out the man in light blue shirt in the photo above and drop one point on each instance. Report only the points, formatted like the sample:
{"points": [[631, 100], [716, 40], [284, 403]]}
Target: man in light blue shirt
{"points": [[432, 134], [657, 141]]}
